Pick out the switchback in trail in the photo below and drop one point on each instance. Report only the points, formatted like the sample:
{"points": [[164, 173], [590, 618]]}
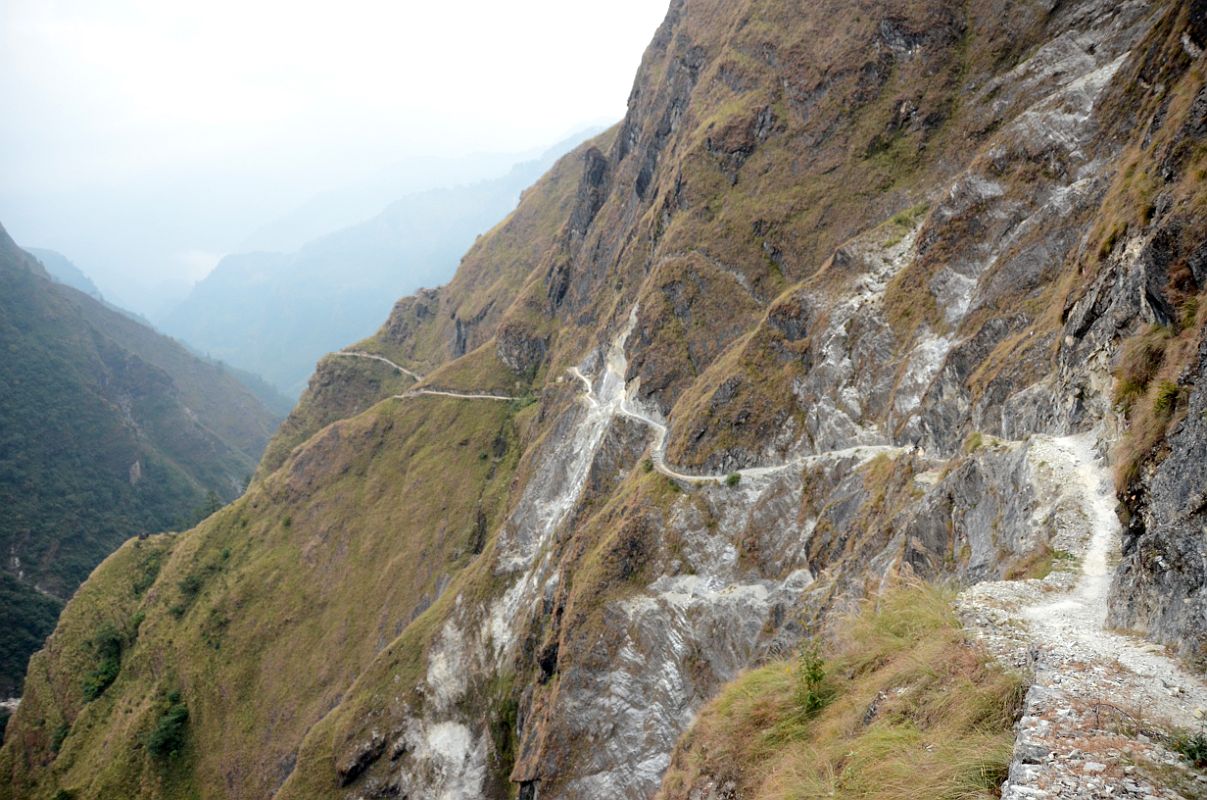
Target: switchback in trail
{"points": [[417, 377], [381, 359], [614, 397]]}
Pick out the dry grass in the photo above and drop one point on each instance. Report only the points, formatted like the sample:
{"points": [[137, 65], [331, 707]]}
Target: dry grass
{"points": [[916, 712], [1140, 360], [1039, 564], [1148, 393]]}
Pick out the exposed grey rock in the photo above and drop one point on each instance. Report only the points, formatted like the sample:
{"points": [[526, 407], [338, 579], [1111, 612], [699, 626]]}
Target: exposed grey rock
{"points": [[1161, 584]]}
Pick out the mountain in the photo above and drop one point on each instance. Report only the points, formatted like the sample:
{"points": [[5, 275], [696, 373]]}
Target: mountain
{"points": [[276, 314], [834, 426], [363, 199], [107, 430], [65, 272]]}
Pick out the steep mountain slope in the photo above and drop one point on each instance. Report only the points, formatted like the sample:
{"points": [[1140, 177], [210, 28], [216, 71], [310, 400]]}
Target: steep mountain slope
{"points": [[63, 271], [804, 325], [364, 196], [276, 314], [107, 430]]}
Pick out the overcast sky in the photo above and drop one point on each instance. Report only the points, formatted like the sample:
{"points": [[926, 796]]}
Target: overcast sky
{"points": [[144, 137]]}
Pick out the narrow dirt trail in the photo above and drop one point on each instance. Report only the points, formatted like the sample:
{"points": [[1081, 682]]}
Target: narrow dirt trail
{"points": [[624, 406], [416, 376], [455, 395], [1100, 698], [382, 359]]}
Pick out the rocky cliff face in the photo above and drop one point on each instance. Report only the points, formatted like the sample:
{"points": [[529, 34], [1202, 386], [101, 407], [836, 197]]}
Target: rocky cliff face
{"points": [[776, 341]]}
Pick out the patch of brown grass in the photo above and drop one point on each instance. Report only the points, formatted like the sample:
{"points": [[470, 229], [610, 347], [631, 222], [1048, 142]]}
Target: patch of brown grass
{"points": [[916, 711]]}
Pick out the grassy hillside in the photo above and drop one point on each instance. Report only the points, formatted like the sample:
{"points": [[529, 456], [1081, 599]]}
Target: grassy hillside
{"points": [[905, 707], [310, 542], [428, 329], [107, 430]]}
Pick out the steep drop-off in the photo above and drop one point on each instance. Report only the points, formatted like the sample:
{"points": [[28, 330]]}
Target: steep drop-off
{"points": [[107, 430], [793, 331], [277, 313]]}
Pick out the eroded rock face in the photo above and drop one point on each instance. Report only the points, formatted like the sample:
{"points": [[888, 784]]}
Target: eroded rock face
{"points": [[1161, 585], [919, 342], [521, 349]]}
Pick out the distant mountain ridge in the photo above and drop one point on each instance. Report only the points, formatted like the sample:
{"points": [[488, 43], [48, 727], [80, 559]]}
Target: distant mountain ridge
{"points": [[107, 430], [343, 207], [64, 271], [276, 314]]}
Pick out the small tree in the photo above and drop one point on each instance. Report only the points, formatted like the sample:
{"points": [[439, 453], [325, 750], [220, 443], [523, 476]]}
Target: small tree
{"points": [[167, 737], [107, 646], [812, 695]]}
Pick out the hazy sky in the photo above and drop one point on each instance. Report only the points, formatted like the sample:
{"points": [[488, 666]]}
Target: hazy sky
{"points": [[144, 137]]}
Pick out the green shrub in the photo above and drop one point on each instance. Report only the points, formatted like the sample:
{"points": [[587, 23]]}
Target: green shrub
{"points": [[148, 571], [59, 736], [107, 646], [1192, 747], [1166, 399], [167, 737], [812, 693], [190, 585], [518, 404], [733, 479]]}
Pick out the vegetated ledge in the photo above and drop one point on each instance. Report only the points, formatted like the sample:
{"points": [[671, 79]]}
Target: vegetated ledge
{"points": [[906, 707]]}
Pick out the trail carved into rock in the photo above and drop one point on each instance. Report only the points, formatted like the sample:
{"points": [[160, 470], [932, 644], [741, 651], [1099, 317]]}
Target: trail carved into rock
{"points": [[454, 394], [621, 403], [382, 359], [423, 392], [1101, 701]]}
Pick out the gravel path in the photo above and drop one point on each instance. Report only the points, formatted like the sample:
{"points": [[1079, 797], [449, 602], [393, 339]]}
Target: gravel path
{"points": [[382, 359], [1102, 702], [625, 406], [423, 392]]}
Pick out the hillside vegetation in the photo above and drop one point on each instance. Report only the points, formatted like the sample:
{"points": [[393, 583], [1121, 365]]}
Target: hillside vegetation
{"points": [[107, 430], [904, 708]]}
